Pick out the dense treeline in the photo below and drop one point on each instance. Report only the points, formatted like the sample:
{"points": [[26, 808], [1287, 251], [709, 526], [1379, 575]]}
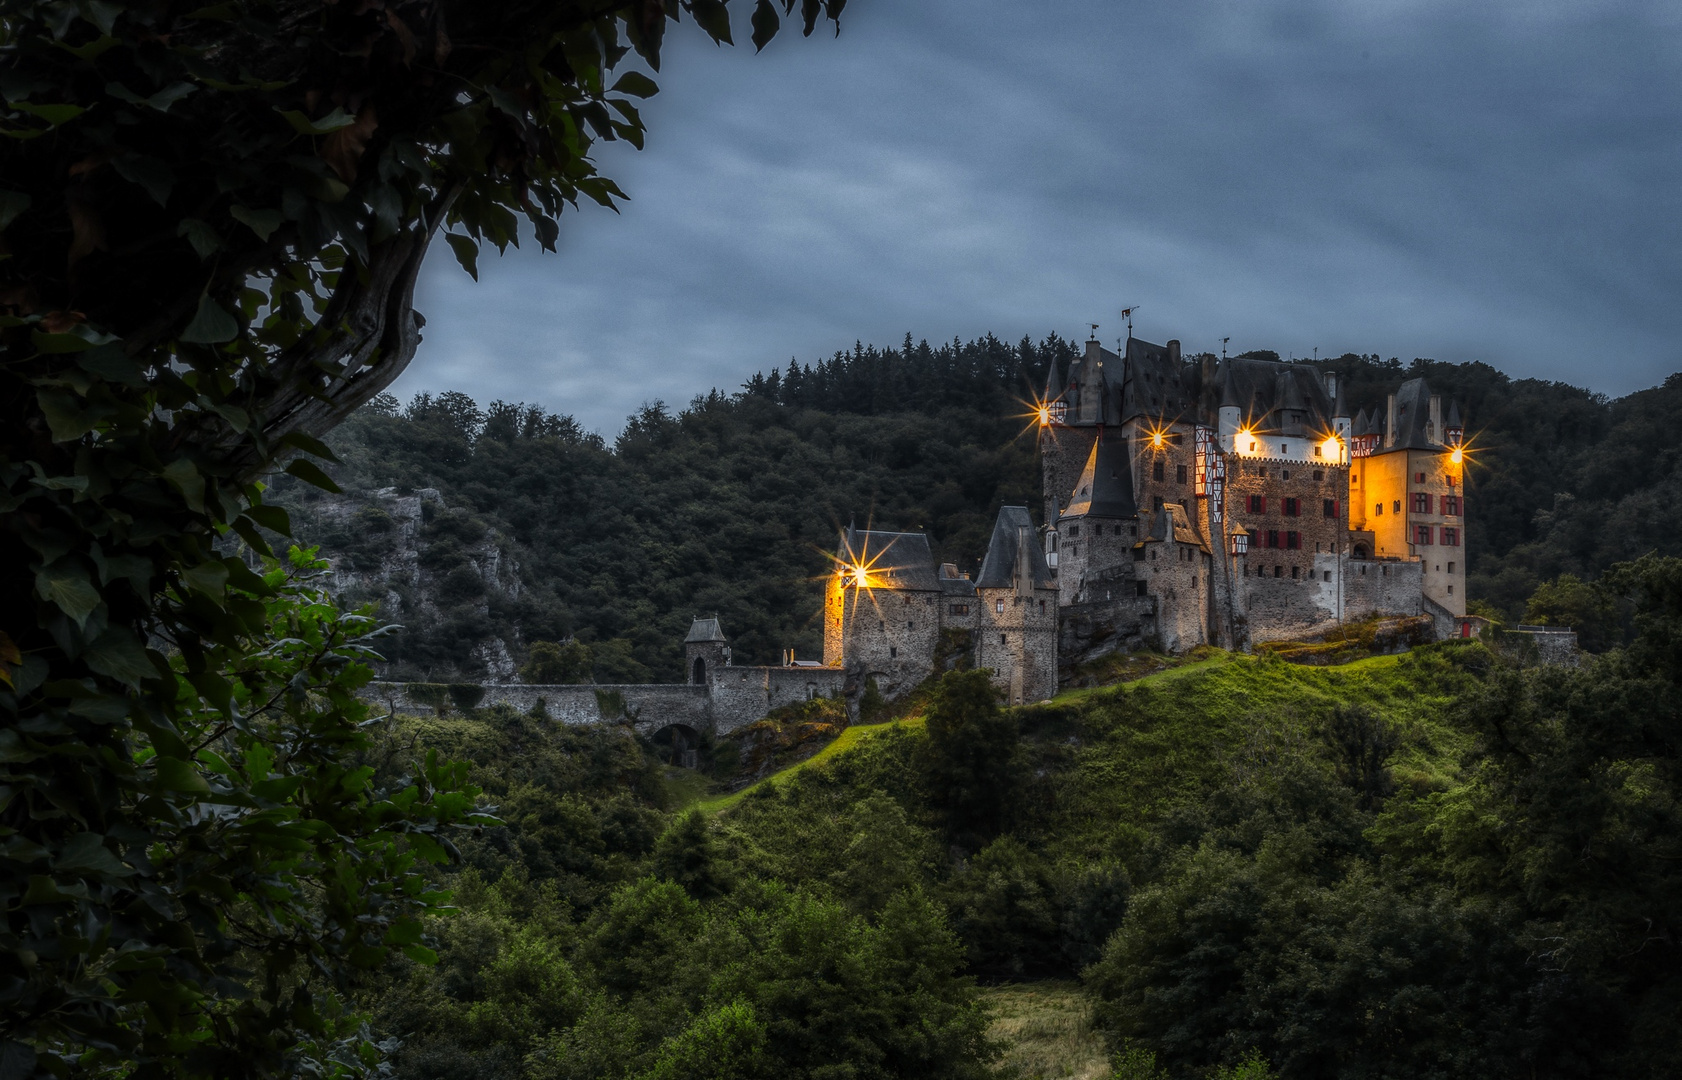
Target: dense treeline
{"points": [[1442, 864], [729, 505]]}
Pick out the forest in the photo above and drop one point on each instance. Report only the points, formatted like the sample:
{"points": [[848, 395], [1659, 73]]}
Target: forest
{"points": [[729, 505]]}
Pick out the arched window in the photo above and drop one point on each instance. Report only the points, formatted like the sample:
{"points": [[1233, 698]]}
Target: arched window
{"points": [[698, 673]]}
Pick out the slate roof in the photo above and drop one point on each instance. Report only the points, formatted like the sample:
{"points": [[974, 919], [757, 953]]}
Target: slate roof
{"points": [[1413, 412], [1153, 385], [1014, 559], [1171, 523], [1105, 487], [897, 560], [1272, 396], [705, 630]]}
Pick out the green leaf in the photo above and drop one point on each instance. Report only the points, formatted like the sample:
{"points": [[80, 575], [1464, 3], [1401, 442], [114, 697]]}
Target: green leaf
{"points": [[467, 252], [328, 124], [12, 203], [420, 954], [310, 445], [119, 654], [261, 222], [185, 476], [52, 114], [67, 419], [200, 235], [111, 363], [78, 338], [714, 18], [210, 578], [86, 852], [149, 172], [272, 518], [636, 84], [177, 775], [310, 473], [66, 585], [765, 24], [211, 325]]}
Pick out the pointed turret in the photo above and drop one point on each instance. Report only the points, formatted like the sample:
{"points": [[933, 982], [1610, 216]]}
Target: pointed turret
{"points": [[1231, 411], [1014, 560], [1455, 431], [1053, 383], [1105, 487], [1342, 425]]}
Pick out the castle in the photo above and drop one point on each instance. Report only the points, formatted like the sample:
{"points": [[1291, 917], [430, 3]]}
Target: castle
{"points": [[1224, 502]]}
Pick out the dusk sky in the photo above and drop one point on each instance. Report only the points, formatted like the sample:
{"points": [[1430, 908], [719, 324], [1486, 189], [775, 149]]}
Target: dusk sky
{"points": [[1498, 181]]}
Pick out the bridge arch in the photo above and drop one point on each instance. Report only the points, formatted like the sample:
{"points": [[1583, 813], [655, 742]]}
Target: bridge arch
{"points": [[677, 744]]}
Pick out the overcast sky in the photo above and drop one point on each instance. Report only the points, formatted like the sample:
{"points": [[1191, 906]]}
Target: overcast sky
{"points": [[1497, 181]]}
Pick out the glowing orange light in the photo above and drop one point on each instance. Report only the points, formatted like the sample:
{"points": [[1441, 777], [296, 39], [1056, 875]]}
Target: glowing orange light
{"points": [[1332, 448], [1457, 457], [1045, 415]]}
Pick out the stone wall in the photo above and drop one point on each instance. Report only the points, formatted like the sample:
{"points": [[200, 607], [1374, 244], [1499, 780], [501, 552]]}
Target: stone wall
{"points": [[1279, 608], [733, 698], [1018, 644]]}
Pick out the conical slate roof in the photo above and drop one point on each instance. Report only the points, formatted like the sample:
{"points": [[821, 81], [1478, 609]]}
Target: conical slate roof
{"points": [[1340, 407], [1014, 559], [1105, 487], [705, 630], [1454, 414], [1054, 382], [896, 560], [1229, 392]]}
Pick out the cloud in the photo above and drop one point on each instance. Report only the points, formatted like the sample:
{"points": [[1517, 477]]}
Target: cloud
{"points": [[1493, 182]]}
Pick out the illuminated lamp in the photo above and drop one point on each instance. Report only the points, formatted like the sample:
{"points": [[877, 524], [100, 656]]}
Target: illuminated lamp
{"points": [[1332, 448], [1240, 540], [1045, 415], [861, 578], [1458, 456]]}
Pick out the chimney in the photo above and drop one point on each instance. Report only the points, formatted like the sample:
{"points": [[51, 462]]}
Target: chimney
{"points": [[1390, 421], [1330, 379], [1437, 418], [1174, 351]]}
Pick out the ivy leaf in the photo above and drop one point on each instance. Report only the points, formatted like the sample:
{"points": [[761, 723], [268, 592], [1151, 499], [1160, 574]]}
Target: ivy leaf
{"points": [[177, 775], [66, 585], [765, 24], [261, 222], [86, 853], [185, 476], [328, 124], [52, 114], [309, 444], [149, 172], [714, 18], [200, 235], [636, 84], [67, 420], [12, 203], [467, 252], [210, 578], [420, 954], [119, 654], [272, 518], [310, 473], [212, 324]]}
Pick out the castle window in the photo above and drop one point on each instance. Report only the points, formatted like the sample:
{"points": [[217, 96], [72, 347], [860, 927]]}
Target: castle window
{"points": [[1273, 538], [1291, 507], [1422, 534], [1258, 504], [1319, 474], [1293, 540], [1278, 571], [1419, 478], [1138, 554], [1451, 505], [1138, 588], [1284, 448], [884, 628], [1450, 479], [1419, 503], [911, 626], [1156, 471], [1074, 530], [1395, 506], [1135, 529], [1252, 446], [1451, 590], [1180, 473], [1328, 575], [1295, 572], [1451, 568], [1329, 508], [1042, 607], [1001, 639], [1378, 509], [1450, 538], [893, 652], [1284, 474], [1074, 551], [958, 609], [999, 607]]}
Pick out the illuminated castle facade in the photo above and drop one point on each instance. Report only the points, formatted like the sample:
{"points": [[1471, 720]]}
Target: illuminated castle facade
{"points": [[1237, 501], [1224, 502]]}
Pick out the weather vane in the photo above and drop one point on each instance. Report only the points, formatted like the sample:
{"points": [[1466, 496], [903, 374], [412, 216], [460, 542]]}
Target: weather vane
{"points": [[1223, 347], [1127, 313]]}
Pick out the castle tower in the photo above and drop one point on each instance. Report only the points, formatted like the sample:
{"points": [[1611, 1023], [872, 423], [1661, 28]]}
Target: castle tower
{"points": [[882, 609], [1016, 628], [1096, 528], [705, 650], [1342, 425]]}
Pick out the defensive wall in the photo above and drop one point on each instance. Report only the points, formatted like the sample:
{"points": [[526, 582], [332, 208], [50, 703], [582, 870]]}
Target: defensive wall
{"points": [[732, 698]]}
